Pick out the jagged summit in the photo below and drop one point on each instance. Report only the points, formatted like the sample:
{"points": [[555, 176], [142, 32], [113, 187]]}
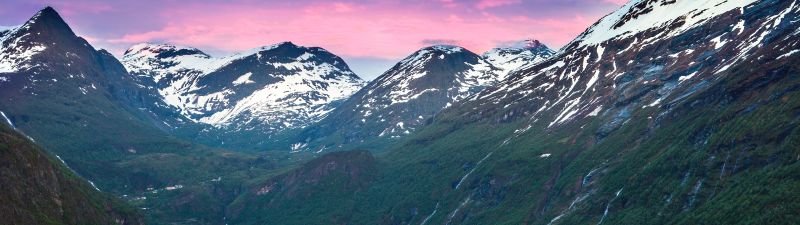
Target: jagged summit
{"points": [[47, 13], [444, 48], [20, 44], [438, 67], [518, 55], [530, 43], [49, 22], [433, 51], [533, 44], [163, 50], [284, 44]]}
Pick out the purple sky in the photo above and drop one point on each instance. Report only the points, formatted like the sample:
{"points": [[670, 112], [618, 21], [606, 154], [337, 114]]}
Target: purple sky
{"points": [[370, 35]]}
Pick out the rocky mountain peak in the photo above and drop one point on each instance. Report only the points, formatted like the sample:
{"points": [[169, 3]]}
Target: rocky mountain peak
{"points": [[45, 31], [162, 51], [433, 56], [403, 98], [533, 44], [49, 21], [439, 66], [518, 55], [286, 44], [447, 49]]}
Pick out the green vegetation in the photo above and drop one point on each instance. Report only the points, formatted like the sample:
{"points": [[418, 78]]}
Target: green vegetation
{"points": [[38, 189]]}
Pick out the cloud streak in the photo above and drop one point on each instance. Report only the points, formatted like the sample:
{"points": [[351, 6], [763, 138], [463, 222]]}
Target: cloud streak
{"points": [[485, 4]]}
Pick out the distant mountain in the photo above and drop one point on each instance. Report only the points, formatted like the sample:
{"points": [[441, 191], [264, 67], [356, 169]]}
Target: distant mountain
{"points": [[518, 55], [247, 97], [404, 98], [39, 189]]}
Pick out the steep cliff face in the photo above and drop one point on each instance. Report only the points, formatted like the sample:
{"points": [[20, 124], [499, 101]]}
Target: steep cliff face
{"points": [[39, 189]]}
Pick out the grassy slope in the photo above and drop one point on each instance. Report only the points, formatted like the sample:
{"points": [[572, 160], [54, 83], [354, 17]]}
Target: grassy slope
{"points": [[307, 190], [755, 138], [125, 156], [38, 189]]}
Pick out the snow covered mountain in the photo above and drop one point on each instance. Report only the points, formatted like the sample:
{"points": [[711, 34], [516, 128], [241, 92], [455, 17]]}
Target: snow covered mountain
{"points": [[519, 55], [76, 101], [406, 96], [262, 91], [602, 72], [44, 55]]}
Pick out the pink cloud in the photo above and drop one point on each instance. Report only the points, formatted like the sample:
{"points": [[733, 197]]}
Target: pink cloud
{"points": [[449, 3], [485, 4], [348, 29], [342, 7]]}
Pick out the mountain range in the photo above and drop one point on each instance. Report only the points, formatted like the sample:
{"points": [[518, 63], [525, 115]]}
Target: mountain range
{"points": [[245, 96], [276, 97], [662, 112]]}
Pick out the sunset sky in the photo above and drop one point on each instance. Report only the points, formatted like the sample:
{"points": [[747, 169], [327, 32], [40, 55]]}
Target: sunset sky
{"points": [[370, 35]]}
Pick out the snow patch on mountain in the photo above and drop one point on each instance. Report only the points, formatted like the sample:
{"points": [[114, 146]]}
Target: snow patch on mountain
{"points": [[402, 79], [244, 79], [519, 55], [8, 120], [640, 15], [288, 95], [13, 55]]}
